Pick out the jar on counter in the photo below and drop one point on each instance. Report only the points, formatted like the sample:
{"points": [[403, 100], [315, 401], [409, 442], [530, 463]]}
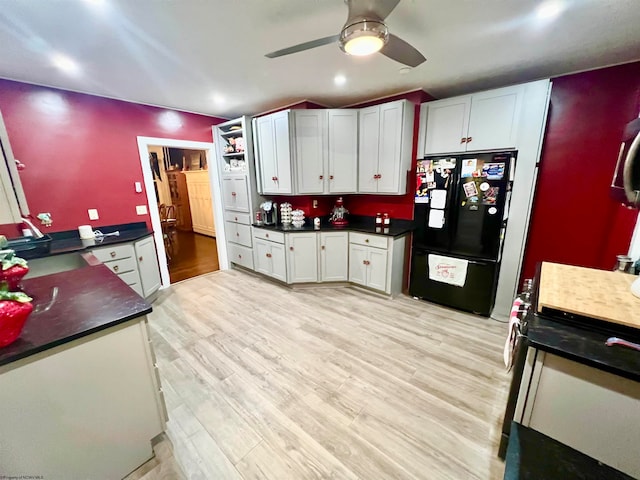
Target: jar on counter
{"points": [[378, 219], [386, 221]]}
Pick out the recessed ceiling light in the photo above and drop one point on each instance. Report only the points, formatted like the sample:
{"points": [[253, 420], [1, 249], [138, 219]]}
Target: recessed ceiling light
{"points": [[549, 10], [66, 64], [404, 70], [339, 79], [219, 99]]}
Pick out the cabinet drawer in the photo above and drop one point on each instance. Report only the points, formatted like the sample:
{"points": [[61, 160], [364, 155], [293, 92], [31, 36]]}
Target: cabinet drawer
{"points": [[270, 235], [377, 241], [115, 252], [243, 218], [240, 255], [238, 233], [123, 265], [130, 278]]}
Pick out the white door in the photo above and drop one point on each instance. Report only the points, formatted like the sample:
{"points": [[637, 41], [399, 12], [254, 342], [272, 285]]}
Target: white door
{"points": [[368, 149], [282, 138], [266, 153], [377, 269], [278, 262], [262, 256], [302, 257], [447, 124], [310, 136], [334, 256], [148, 265], [494, 119], [343, 151], [357, 264], [390, 149]]}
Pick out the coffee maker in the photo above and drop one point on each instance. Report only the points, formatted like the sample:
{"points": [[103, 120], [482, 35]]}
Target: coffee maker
{"points": [[270, 215]]}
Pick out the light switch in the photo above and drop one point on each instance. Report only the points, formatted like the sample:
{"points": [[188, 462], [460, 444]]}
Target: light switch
{"points": [[93, 214], [315, 204], [141, 209], [138, 187]]}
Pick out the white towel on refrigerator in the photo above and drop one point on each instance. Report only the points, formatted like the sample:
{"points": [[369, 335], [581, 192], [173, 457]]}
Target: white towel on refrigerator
{"points": [[448, 270]]}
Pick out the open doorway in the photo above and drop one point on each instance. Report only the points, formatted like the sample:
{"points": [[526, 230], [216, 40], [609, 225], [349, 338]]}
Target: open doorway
{"points": [[185, 206]]}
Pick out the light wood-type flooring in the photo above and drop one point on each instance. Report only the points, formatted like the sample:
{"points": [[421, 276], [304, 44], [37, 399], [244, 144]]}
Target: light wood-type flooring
{"points": [[265, 382]]}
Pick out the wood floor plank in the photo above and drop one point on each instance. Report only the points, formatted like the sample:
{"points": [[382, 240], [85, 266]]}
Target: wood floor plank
{"points": [[264, 381]]}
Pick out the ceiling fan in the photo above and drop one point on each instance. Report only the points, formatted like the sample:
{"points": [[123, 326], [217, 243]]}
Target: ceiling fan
{"points": [[365, 33]]}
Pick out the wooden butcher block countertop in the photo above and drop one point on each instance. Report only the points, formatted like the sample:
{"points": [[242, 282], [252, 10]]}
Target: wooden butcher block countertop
{"points": [[598, 294]]}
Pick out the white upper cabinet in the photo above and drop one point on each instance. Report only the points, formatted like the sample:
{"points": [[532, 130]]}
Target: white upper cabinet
{"points": [[482, 121], [343, 151], [273, 153], [310, 133], [385, 142]]}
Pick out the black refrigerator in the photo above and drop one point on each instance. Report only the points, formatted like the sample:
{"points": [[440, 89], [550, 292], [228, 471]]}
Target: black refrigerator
{"points": [[461, 212]]}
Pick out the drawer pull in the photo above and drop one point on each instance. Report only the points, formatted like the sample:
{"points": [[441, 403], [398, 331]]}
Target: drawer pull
{"points": [[237, 234], [113, 254], [139, 259], [233, 194], [291, 249], [239, 256], [463, 140], [322, 247], [266, 235], [366, 240], [115, 268], [268, 255], [469, 139], [330, 177], [321, 177], [235, 218]]}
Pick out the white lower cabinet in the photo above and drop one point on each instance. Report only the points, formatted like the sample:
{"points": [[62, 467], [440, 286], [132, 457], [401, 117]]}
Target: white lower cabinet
{"points": [[135, 263], [377, 262], [302, 257], [269, 258], [334, 256]]}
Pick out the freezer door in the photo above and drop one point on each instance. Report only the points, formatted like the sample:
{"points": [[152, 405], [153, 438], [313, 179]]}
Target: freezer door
{"points": [[481, 198], [476, 295]]}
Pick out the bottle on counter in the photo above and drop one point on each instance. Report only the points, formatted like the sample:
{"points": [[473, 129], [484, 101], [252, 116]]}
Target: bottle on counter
{"points": [[378, 219], [386, 221]]}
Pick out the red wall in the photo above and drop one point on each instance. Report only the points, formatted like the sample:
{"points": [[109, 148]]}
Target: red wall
{"points": [[574, 219], [81, 151]]}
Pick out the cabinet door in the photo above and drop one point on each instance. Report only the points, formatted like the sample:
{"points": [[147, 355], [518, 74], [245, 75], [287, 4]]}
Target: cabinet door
{"points": [[357, 264], [377, 268], [368, 149], [334, 256], [241, 191], [390, 148], [311, 150], [278, 262], [494, 118], [148, 265], [262, 256], [447, 125], [343, 151], [302, 257], [266, 153], [282, 139]]}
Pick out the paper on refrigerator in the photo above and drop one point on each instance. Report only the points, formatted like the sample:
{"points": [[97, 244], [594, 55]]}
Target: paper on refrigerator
{"points": [[436, 218], [448, 270], [438, 198]]}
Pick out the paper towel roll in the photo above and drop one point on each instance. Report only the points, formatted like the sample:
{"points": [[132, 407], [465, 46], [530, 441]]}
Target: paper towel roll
{"points": [[86, 232]]}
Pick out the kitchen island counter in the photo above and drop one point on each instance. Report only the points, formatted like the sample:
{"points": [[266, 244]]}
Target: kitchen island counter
{"points": [[70, 305]]}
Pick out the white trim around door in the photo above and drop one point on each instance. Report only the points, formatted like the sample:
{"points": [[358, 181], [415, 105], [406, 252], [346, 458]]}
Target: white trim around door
{"points": [[214, 181]]}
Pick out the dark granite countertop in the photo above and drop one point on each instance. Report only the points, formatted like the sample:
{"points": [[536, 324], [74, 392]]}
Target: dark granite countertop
{"points": [[71, 305], [360, 224], [532, 456], [585, 345], [69, 241]]}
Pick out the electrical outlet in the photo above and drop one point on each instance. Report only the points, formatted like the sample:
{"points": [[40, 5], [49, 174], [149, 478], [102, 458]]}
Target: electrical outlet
{"points": [[93, 214], [141, 209], [315, 204]]}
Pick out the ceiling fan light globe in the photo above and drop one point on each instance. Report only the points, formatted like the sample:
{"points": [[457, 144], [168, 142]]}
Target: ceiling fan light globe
{"points": [[363, 38]]}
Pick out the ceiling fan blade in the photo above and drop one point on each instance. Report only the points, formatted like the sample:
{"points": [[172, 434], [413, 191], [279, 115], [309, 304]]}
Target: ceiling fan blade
{"points": [[400, 51], [368, 8], [304, 46]]}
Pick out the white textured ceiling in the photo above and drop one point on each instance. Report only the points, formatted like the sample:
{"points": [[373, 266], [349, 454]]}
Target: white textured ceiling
{"points": [[184, 54]]}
